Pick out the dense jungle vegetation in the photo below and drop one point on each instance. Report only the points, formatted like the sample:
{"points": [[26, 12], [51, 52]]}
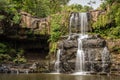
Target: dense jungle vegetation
{"points": [[107, 25]]}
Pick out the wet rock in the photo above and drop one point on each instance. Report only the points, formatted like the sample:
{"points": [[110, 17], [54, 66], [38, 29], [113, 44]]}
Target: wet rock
{"points": [[93, 47], [4, 69], [67, 44]]}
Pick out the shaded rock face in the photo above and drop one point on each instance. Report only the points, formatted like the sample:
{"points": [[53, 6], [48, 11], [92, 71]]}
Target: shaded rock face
{"points": [[92, 46]]}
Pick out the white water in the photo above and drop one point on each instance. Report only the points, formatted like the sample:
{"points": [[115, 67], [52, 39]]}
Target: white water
{"points": [[57, 63], [76, 20], [80, 57], [84, 23], [71, 20], [104, 55]]}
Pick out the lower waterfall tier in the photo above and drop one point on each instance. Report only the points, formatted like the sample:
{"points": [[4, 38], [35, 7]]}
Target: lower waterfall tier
{"points": [[93, 47]]}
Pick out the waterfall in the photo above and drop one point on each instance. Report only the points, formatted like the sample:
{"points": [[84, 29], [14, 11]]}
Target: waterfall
{"points": [[104, 56], [84, 23], [57, 63], [70, 25], [78, 20], [80, 57], [90, 57]]}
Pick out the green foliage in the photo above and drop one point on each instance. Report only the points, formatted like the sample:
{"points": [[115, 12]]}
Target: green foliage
{"points": [[10, 54], [29, 32], [56, 5], [115, 32], [74, 8], [111, 1], [102, 21], [116, 13], [55, 27], [3, 48], [19, 59], [20, 52], [2, 17], [16, 18], [86, 9], [4, 58], [78, 8], [59, 27], [9, 13], [53, 47], [103, 6], [3, 4], [116, 49], [108, 25], [38, 8]]}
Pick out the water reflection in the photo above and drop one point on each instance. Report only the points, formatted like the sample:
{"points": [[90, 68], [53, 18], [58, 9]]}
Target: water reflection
{"points": [[86, 78], [56, 77], [78, 78]]}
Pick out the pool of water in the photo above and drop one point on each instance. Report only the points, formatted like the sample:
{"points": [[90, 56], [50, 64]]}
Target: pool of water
{"points": [[56, 77]]}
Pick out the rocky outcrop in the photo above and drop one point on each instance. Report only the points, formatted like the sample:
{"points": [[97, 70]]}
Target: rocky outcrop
{"points": [[36, 67], [93, 47], [95, 14], [31, 36], [37, 24]]}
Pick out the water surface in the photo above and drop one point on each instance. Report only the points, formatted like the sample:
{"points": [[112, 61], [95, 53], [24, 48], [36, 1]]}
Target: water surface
{"points": [[56, 77]]}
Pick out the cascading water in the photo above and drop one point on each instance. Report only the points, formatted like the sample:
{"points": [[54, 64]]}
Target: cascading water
{"points": [[80, 58], [71, 20], [79, 20], [104, 56], [84, 23], [57, 63], [76, 20], [89, 54]]}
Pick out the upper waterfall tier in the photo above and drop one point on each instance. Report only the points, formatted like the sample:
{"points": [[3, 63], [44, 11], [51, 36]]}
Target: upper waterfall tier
{"points": [[79, 23]]}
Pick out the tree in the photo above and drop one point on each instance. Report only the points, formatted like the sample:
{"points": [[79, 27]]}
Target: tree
{"points": [[86, 9], [56, 5], [110, 21]]}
